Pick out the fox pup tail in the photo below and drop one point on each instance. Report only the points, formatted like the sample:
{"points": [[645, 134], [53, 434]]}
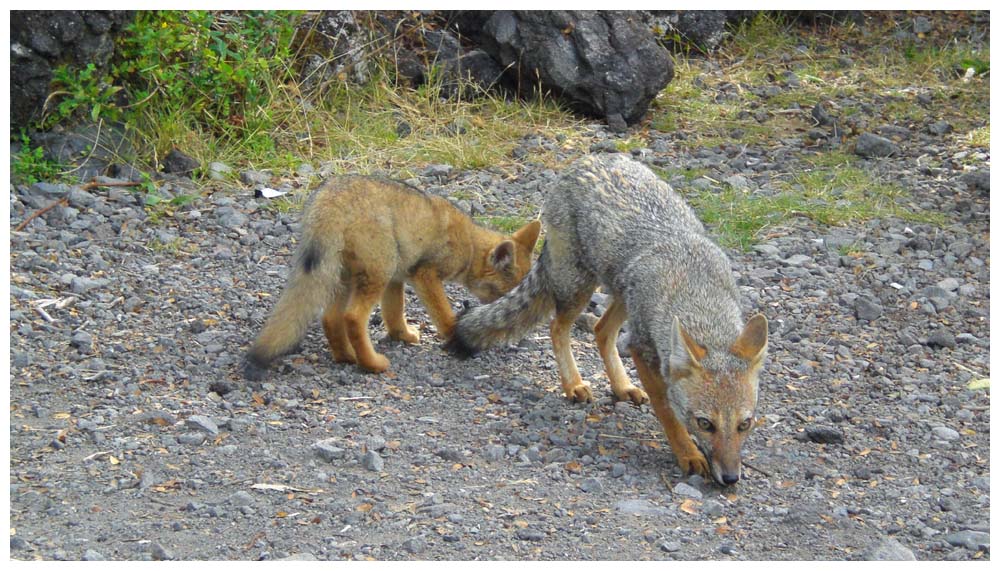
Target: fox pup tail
{"points": [[507, 319], [313, 284]]}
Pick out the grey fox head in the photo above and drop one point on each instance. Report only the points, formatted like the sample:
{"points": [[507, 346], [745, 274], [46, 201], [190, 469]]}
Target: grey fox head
{"points": [[714, 394], [504, 265]]}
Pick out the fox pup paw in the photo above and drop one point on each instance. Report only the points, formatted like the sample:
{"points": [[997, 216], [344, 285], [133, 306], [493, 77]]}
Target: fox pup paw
{"points": [[634, 394], [377, 364], [408, 335], [579, 393]]}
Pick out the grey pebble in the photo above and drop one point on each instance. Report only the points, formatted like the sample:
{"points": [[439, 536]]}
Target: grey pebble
{"points": [[888, 549], [372, 461], [945, 433], [91, 555], [971, 540], [591, 485], [328, 450], [528, 534], [202, 423], [687, 491], [160, 553], [941, 338]]}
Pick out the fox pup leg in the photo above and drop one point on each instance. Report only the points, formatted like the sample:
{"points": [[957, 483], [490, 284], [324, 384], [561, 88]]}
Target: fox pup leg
{"points": [[573, 386], [393, 304], [336, 332], [430, 290], [356, 315], [606, 332], [689, 458]]}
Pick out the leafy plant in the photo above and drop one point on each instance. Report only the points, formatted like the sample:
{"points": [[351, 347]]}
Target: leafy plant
{"points": [[29, 165]]}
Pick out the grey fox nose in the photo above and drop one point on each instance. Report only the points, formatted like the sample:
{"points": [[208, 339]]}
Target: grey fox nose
{"points": [[730, 479]]}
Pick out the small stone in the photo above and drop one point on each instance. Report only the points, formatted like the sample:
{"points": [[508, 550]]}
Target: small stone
{"points": [[179, 163], [888, 549], [241, 498], [641, 507], [870, 145], [528, 534], [82, 341], [945, 433], [494, 453], [91, 555], [867, 309], [437, 171], [939, 128], [160, 553], [219, 171], [797, 260], [192, 438], [328, 450], [941, 338], [372, 461], [686, 490], [948, 284], [670, 546], [221, 388], [971, 540], [617, 470], [255, 178], [825, 435], [414, 545], [591, 485], [81, 285], [202, 423]]}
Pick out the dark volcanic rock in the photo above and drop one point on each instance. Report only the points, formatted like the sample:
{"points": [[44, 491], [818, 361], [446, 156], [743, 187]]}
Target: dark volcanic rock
{"points": [[603, 63]]}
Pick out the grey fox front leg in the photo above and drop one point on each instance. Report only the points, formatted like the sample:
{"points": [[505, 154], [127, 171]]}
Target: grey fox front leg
{"points": [[606, 332], [689, 458], [569, 376]]}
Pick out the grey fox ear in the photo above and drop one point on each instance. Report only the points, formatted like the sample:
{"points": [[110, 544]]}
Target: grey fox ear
{"points": [[752, 342], [528, 234], [686, 352], [502, 257]]}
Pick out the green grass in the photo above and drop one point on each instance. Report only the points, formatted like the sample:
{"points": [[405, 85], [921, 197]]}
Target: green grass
{"points": [[507, 224], [830, 191]]}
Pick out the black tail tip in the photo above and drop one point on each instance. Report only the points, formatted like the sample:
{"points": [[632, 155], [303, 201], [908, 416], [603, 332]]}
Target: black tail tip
{"points": [[254, 368], [458, 347]]}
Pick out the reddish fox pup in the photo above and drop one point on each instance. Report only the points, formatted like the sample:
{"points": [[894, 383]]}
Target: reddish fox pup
{"points": [[362, 238]]}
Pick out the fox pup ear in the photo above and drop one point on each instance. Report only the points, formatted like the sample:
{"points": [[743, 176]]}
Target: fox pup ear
{"points": [[502, 257], [686, 353], [528, 234], [751, 345]]}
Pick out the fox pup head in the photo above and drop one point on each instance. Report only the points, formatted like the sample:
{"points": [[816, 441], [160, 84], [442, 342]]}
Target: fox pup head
{"points": [[714, 394], [503, 266]]}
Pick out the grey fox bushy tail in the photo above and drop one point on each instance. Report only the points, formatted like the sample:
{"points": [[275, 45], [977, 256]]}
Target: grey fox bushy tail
{"points": [[509, 318], [611, 222]]}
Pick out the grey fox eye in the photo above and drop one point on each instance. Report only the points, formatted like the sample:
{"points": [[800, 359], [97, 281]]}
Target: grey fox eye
{"points": [[706, 425], [744, 426]]}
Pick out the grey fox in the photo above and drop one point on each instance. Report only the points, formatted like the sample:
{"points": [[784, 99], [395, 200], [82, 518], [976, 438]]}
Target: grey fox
{"points": [[612, 222], [362, 238]]}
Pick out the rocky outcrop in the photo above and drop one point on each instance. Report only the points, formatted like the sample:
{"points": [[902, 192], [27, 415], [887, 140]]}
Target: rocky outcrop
{"points": [[43, 39], [602, 63]]}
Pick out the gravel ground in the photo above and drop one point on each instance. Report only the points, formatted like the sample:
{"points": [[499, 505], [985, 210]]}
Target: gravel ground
{"points": [[133, 437]]}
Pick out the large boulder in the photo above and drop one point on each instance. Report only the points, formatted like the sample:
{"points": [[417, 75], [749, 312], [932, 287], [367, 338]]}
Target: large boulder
{"points": [[41, 40], [602, 63]]}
